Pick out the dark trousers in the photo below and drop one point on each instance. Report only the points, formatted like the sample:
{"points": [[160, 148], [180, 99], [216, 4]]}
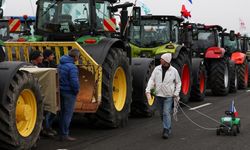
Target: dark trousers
{"points": [[49, 119], [66, 113]]}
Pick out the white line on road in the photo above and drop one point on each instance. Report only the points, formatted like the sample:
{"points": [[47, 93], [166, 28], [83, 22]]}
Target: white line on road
{"points": [[248, 90], [197, 107]]}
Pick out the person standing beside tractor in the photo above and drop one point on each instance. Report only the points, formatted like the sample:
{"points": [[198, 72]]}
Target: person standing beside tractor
{"points": [[166, 81], [48, 60], [69, 88], [36, 58]]}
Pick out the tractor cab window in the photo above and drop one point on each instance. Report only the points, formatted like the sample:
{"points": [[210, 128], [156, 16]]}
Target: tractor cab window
{"points": [[63, 16], [205, 40], [102, 13], [4, 32], [151, 33], [174, 31], [229, 45]]}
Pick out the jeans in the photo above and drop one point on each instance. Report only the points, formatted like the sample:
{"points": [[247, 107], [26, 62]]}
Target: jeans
{"points": [[49, 119], [165, 108], [67, 108]]}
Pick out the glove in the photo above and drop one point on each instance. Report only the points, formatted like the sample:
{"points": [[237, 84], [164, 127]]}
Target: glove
{"points": [[148, 95]]}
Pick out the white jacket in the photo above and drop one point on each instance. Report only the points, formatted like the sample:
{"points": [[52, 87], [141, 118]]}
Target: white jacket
{"points": [[170, 86]]}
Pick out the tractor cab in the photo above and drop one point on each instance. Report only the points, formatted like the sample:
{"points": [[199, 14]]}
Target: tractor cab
{"points": [[207, 37], [71, 19], [155, 31], [231, 42]]}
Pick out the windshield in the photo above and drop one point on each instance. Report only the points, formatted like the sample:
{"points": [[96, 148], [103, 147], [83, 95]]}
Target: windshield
{"points": [[229, 45], [205, 40], [102, 13], [63, 16], [151, 33]]}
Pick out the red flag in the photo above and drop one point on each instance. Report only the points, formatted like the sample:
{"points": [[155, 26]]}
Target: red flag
{"points": [[184, 12]]}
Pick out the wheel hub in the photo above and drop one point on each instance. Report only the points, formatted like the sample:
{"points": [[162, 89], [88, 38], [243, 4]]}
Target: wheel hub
{"points": [[119, 88], [26, 112]]}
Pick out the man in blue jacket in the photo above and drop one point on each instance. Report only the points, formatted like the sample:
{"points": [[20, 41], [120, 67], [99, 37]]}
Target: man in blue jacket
{"points": [[69, 87]]}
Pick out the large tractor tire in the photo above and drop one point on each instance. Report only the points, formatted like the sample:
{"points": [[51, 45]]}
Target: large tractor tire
{"points": [[199, 75], [218, 77], [2, 54], [21, 113], [242, 70], [233, 76], [141, 71], [248, 74], [183, 65], [114, 109]]}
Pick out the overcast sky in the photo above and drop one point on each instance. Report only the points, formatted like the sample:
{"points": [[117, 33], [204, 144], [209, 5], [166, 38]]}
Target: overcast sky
{"points": [[224, 12]]}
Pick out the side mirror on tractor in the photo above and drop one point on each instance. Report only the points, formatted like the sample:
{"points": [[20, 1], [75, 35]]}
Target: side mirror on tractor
{"points": [[136, 16], [195, 32], [232, 35]]}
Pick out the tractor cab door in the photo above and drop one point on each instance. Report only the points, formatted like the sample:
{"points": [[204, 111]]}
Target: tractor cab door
{"points": [[4, 30]]}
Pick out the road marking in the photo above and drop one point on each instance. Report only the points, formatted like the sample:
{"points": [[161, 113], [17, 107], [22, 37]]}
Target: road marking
{"points": [[197, 107], [248, 90]]}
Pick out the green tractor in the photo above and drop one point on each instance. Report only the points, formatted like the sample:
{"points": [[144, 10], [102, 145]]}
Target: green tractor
{"points": [[104, 66], [150, 37]]}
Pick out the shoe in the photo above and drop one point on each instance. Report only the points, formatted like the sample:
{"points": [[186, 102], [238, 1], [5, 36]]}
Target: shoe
{"points": [[47, 133], [52, 131], [67, 138], [165, 134]]}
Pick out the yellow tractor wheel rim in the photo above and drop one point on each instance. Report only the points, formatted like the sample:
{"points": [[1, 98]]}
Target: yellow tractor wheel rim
{"points": [[26, 112], [151, 101], [119, 89]]}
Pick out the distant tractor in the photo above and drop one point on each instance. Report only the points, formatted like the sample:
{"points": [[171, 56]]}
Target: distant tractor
{"points": [[245, 46], [232, 44], [150, 37], [221, 71]]}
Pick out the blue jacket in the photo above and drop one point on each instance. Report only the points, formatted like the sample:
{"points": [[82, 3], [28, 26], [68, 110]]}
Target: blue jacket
{"points": [[68, 75]]}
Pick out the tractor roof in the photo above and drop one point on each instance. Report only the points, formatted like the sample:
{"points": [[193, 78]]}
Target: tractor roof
{"points": [[161, 17], [207, 27]]}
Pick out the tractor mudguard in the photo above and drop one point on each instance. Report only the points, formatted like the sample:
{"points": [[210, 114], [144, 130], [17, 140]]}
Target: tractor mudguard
{"points": [[99, 51], [177, 51], [215, 52], [238, 57], [7, 72]]}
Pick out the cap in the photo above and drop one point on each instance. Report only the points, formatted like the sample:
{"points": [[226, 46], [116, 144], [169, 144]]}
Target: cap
{"points": [[167, 57]]}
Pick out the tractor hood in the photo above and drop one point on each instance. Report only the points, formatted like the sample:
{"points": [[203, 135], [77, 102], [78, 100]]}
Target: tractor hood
{"points": [[151, 52]]}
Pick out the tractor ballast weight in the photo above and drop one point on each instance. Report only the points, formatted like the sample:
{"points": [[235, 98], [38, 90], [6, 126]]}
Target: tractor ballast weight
{"points": [[215, 52]]}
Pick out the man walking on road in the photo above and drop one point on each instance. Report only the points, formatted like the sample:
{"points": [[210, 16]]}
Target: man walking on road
{"points": [[69, 88], [166, 81]]}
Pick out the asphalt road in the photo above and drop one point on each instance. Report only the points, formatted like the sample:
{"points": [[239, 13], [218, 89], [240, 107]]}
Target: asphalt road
{"points": [[145, 133]]}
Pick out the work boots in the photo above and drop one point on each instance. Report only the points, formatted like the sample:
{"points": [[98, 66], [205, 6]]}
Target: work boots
{"points": [[165, 134]]}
